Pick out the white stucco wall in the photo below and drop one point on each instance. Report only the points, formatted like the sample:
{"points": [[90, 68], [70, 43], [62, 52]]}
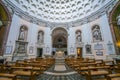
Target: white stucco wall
{"points": [[86, 37], [33, 29], [48, 41], [71, 40], [107, 35]]}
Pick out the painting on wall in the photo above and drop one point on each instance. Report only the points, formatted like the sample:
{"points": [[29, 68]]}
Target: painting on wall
{"points": [[88, 49], [8, 50]]}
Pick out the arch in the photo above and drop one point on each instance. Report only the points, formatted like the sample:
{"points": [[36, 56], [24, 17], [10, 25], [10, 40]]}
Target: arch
{"points": [[5, 19], [95, 27], [77, 31], [59, 38], [115, 30]]}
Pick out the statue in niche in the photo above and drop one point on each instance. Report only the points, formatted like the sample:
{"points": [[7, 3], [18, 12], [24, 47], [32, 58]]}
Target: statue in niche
{"points": [[97, 35], [40, 37], [78, 38], [22, 33]]}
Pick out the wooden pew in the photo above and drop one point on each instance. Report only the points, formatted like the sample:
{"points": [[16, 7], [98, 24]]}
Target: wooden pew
{"points": [[97, 71], [109, 63], [28, 67], [24, 71], [5, 76], [31, 68], [113, 76]]}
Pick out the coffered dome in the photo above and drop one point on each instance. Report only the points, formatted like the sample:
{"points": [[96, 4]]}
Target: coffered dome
{"points": [[60, 11]]}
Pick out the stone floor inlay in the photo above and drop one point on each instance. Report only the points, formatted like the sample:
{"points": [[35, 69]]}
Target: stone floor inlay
{"points": [[60, 67], [60, 72]]}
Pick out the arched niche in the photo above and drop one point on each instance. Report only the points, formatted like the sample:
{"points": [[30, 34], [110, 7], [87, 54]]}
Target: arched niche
{"points": [[115, 28], [23, 33], [59, 39], [78, 34], [40, 37], [96, 33]]}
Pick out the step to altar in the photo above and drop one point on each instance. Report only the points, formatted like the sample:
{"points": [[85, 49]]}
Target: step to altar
{"points": [[60, 60]]}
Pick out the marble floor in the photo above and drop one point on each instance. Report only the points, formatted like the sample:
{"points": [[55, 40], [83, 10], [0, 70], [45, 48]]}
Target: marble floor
{"points": [[60, 75], [60, 72]]}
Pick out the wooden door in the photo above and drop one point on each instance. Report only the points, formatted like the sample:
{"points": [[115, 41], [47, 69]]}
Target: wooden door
{"points": [[39, 52], [79, 52]]}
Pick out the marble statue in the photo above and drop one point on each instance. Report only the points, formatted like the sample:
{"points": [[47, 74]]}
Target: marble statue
{"points": [[22, 34], [78, 37], [97, 35], [40, 37], [118, 20]]}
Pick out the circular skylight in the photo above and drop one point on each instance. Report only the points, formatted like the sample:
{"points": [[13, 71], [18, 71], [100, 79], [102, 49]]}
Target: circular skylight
{"points": [[60, 11]]}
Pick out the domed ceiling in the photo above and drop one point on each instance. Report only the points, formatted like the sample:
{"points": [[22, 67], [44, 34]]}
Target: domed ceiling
{"points": [[60, 11]]}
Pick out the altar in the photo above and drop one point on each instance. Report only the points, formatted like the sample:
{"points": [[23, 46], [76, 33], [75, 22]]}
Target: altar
{"points": [[59, 57], [59, 54]]}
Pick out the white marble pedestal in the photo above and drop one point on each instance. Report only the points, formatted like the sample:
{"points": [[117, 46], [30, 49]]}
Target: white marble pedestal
{"points": [[59, 57], [59, 61]]}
